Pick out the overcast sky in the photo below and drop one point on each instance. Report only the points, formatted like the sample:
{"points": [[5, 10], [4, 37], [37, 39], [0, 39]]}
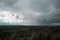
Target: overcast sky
{"points": [[29, 12]]}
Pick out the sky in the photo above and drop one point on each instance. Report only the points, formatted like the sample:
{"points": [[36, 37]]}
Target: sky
{"points": [[29, 12]]}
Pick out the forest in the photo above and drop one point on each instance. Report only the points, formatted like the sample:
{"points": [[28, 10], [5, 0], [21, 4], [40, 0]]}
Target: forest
{"points": [[30, 33]]}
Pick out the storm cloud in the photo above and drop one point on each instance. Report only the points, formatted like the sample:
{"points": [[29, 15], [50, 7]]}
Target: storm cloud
{"points": [[30, 12]]}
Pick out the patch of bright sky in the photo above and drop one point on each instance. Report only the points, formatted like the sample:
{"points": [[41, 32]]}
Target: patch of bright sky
{"points": [[10, 17]]}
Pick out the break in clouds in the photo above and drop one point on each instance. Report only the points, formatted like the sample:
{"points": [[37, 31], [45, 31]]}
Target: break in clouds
{"points": [[29, 12]]}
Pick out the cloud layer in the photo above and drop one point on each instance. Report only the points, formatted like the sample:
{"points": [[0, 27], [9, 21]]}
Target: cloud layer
{"points": [[29, 12]]}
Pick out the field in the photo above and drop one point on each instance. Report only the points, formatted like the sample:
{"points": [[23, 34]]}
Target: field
{"points": [[29, 33]]}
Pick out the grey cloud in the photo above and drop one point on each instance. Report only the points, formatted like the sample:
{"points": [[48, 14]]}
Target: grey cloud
{"points": [[49, 10], [57, 3], [54, 17], [8, 5], [46, 7], [43, 5], [40, 5], [8, 2]]}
